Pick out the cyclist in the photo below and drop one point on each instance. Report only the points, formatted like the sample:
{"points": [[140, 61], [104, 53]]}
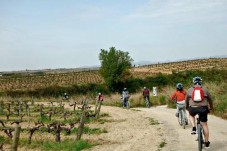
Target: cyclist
{"points": [[179, 96], [100, 97], [146, 94], [66, 96], [125, 97], [199, 101]]}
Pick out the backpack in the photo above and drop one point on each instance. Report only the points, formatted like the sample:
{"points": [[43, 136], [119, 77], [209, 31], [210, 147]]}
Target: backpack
{"points": [[198, 94]]}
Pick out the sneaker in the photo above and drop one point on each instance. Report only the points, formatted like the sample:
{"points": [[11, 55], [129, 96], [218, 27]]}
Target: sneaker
{"points": [[207, 145], [193, 131], [177, 114]]}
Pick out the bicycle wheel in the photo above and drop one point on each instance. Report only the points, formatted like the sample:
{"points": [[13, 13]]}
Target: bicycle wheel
{"points": [[180, 118], [147, 102], [200, 137], [128, 104], [183, 119]]}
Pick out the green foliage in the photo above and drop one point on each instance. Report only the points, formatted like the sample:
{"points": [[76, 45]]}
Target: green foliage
{"points": [[153, 121], [44, 119], [162, 100], [133, 84], [65, 145], [162, 144], [57, 91], [88, 130], [115, 65]]}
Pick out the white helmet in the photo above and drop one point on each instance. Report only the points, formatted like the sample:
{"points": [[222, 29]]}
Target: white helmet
{"points": [[197, 80], [99, 93]]}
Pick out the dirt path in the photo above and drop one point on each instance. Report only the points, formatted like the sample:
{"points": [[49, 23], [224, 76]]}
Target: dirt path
{"points": [[131, 130]]}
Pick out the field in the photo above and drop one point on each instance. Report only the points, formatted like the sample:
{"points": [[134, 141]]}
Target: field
{"points": [[30, 80], [58, 121]]}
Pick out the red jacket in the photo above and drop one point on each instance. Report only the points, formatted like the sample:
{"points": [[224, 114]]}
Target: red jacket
{"points": [[179, 95], [100, 98], [146, 92]]}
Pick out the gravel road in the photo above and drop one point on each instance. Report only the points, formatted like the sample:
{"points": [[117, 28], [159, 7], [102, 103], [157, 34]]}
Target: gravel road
{"points": [[131, 130]]}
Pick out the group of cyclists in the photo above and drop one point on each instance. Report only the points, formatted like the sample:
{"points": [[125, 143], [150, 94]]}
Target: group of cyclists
{"points": [[197, 100], [125, 96]]}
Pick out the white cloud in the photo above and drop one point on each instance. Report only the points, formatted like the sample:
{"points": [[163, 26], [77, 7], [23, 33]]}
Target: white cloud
{"points": [[178, 11]]}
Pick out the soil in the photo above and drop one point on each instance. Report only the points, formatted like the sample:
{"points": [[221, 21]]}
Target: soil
{"points": [[132, 130], [151, 129]]}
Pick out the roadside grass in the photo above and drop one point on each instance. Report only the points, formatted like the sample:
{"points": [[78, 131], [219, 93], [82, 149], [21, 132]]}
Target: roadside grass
{"points": [[65, 145], [153, 121], [89, 131], [162, 145]]}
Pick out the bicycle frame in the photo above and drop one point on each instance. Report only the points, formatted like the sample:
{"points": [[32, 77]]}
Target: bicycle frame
{"points": [[125, 103]]}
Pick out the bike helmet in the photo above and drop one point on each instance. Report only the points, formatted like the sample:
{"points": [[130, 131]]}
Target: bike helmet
{"points": [[144, 87], [197, 80], [125, 89], [99, 93], [179, 86]]}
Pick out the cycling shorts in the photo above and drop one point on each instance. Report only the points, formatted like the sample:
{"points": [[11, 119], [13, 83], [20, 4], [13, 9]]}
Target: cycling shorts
{"points": [[202, 111]]}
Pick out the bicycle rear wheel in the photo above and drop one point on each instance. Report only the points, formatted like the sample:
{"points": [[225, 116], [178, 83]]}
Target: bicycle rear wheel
{"points": [[147, 102], [183, 119], [128, 104], [200, 137], [180, 118]]}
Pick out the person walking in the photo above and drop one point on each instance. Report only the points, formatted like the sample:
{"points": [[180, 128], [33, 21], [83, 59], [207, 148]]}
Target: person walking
{"points": [[199, 101]]}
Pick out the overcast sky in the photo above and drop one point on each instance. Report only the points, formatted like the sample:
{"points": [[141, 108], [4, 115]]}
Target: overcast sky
{"points": [[50, 34]]}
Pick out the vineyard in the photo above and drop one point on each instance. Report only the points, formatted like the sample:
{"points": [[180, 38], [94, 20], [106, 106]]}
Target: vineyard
{"points": [[168, 68], [24, 121], [32, 81]]}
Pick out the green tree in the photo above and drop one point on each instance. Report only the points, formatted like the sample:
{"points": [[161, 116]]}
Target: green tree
{"points": [[115, 65]]}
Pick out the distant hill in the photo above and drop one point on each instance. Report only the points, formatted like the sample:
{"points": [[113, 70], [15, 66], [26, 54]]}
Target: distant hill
{"points": [[36, 79], [169, 67]]}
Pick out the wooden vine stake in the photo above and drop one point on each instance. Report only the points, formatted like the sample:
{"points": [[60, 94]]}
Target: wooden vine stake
{"points": [[98, 110], [82, 121], [16, 137]]}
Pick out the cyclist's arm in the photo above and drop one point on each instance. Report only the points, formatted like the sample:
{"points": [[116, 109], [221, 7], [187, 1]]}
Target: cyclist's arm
{"points": [[187, 98], [173, 97]]}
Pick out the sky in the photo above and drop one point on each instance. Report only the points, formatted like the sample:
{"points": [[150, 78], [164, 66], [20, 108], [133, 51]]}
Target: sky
{"points": [[51, 34]]}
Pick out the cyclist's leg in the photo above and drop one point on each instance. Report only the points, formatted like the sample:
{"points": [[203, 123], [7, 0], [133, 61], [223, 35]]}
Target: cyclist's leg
{"points": [[192, 113], [149, 99], [205, 131], [185, 114], [203, 119], [178, 109], [124, 102]]}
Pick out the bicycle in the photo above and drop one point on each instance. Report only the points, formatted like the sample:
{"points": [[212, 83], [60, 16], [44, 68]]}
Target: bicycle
{"points": [[200, 138], [147, 102], [182, 117], [126, 103]]}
